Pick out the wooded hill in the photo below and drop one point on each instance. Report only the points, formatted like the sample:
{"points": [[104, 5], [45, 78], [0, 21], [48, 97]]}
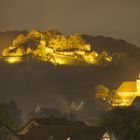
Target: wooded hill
{"points": [[58, 86]]}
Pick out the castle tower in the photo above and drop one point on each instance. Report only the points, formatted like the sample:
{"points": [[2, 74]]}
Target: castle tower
{"points": [[138, 86]]}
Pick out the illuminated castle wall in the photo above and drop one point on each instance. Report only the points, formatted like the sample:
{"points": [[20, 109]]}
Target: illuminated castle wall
{"points": [[54, 48], [127, 92]]}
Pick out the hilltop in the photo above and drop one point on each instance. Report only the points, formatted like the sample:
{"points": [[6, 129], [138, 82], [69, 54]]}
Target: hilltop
{"points": [[121, 50], [30, 83], [125, 56]]}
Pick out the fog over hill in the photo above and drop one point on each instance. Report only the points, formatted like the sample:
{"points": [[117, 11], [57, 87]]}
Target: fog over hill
{"points": [[32, 83]]}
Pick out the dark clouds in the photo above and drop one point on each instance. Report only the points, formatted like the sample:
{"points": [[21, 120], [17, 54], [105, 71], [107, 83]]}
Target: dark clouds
{"points": [[116, 18]]}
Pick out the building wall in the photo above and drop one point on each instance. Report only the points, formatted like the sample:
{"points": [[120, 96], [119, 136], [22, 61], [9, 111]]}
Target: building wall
{"points": [[138, 87], [125, 100], [6, 134], [127, 94]]}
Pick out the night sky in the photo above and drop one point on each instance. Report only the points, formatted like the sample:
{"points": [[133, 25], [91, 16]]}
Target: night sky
{"points": [[115, 18]]}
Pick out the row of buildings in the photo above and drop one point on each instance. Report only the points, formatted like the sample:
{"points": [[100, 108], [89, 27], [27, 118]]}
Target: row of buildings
{"points": [[56, 129]]}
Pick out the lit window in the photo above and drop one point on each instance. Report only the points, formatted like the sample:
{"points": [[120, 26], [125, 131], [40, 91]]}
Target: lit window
{"points": [[107, 138]]}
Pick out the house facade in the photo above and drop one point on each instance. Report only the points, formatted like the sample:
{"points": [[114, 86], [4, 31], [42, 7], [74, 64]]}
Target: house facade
{"points": [[8, 134]]}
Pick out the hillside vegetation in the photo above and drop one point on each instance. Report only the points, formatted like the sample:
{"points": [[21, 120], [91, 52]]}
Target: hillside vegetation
{"points": [[58, 85]]}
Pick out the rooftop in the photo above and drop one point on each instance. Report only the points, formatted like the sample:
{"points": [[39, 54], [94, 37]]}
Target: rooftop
{"points": [[57, 121], [127, 86]]}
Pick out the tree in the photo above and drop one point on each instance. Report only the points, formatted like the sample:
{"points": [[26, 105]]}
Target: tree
{"points": [[19, 51], [40, 51], [10, 115], [77, 42], [18, 41], [102, 92], [124, 122], [58, 42], [5, 52]]}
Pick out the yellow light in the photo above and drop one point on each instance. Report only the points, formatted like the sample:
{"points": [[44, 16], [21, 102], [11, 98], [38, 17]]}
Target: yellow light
{"points": [[109, 59], [123, 102], [56, 49], [12, 60], [61, 61]]}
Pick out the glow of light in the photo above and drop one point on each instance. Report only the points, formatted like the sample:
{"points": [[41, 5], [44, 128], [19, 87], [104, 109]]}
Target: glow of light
{"points": [[57, 50], [60, 61], [109, 59], [123, 102], [13, 60]]}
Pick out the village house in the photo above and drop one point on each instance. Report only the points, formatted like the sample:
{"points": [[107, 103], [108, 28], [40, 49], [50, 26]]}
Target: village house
{"points": [[7, 134], [127, 91], [62, 129], [46, 128], [56, 129], [50, 122]]}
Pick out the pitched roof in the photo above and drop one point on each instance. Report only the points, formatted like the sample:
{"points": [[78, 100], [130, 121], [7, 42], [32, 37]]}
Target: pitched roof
{"points": [[49, 122], [56, 121], [128, 86], [63, 131], [55, 131], [5, 129]]}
